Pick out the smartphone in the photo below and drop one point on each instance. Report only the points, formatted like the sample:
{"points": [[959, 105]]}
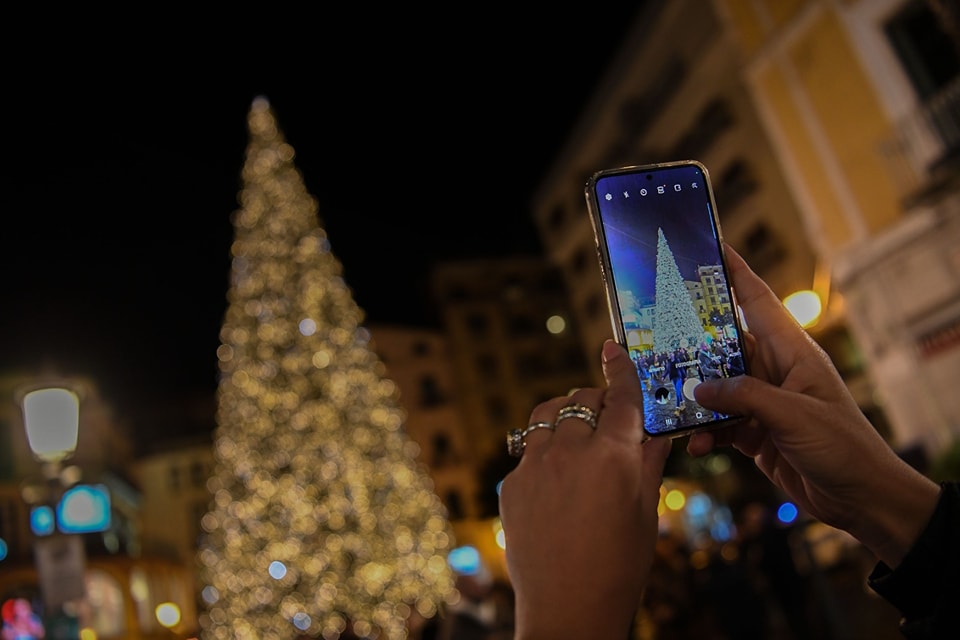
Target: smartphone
{"points": [[670, 299]]}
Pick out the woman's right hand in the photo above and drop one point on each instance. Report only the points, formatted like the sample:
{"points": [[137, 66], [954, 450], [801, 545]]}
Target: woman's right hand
{"points": [[806, 433]]}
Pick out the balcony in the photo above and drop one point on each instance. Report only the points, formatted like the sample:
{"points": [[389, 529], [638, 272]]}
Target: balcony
{"points": [[922, 152]]}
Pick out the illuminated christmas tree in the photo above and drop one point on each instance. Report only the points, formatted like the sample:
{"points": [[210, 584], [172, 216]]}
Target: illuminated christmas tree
{"points": [[676, 323], [322, 522]]}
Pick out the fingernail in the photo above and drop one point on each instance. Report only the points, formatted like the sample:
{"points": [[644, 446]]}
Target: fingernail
{"points": [[610, 351]]}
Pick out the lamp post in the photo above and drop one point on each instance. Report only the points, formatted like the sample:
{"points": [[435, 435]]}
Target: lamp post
{"points": [[51, 418]]}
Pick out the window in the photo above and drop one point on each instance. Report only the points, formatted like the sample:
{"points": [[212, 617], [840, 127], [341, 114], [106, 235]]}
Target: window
{"points": [[430, 393], [521, 325], [173, 479], [715, 118], [735, 183], [497, 410], [579, 261], [556, 218], [923, 44], [456, 293], [551, 282], [454, 505], [478, 324], [487, 365], [442, 454], [198, 474], [762, 249], [595, 305], [420, 348]]}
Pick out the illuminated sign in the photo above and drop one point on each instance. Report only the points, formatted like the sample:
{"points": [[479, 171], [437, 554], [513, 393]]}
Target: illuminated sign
{"points": [[84, 508], [42, 520], [465, 560]]}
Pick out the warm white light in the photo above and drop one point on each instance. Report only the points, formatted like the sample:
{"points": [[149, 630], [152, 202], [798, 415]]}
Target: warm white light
{"points": [[168, 614], [52, 420], [556, 324], [804, 306]]}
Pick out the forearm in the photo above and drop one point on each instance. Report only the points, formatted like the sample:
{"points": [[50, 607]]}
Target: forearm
{"points": [[896, 512]]}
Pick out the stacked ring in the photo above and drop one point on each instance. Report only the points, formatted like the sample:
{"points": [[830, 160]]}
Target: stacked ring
{"points": [[581, 411], [517, 438]]}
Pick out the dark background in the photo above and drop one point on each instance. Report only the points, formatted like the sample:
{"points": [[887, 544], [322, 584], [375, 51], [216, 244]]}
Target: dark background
{"points": [[422, 137]]}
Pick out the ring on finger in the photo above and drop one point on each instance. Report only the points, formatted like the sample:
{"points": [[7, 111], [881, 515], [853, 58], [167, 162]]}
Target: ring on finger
{"points": [[517, 438], [581, 411], [515, 443], [533, 427]]}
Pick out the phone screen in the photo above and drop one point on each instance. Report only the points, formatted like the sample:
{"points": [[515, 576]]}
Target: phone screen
{"points": [[671, 306]]}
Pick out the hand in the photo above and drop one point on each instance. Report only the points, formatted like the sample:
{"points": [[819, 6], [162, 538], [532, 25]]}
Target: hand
{"points": [[806, 433], [579, 512]]}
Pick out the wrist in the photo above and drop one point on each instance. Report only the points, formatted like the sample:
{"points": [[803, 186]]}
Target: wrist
{"points": [[571, 621], [897, 514]]}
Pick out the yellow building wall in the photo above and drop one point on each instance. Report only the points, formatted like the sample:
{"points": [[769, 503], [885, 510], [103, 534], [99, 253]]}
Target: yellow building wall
{"points": [[832, 225], [819, 64], [753, 19], [847, 109]]}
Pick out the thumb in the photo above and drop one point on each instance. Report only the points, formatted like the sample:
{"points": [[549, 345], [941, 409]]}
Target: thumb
{"points": [[752, 398]]}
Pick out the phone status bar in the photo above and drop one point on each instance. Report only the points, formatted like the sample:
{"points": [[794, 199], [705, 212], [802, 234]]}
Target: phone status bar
{"points": [[661, 189]]}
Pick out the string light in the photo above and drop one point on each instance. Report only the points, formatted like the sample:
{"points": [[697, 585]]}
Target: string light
{"points": [[321, 521]]}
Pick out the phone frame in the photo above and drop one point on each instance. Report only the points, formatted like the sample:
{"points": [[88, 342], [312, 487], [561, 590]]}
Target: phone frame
{"points": [[698, 423]]}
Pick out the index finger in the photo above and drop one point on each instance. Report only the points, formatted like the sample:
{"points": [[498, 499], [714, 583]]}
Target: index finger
{"points": [[623, 400], [764, 312]]}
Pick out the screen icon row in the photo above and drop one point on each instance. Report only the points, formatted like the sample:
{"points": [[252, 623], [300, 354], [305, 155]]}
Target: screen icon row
{"points": [[659, 189]]}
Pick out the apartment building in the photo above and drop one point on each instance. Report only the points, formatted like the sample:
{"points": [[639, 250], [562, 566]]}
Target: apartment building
{"points": [[514, 343], [419, 362], [861, 102], [783, 103]]}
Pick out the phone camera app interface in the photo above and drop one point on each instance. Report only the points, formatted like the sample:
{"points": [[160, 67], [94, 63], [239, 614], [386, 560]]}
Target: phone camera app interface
{"points": [[672, 295]]}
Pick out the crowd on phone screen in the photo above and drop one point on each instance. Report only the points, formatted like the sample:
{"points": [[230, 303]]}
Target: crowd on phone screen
{"points": [[721, 358]]}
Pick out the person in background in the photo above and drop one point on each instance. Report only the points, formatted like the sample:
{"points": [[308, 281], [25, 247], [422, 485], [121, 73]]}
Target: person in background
{"points": [[709, 366], [676, 374], [579, 510], [20, 622]]}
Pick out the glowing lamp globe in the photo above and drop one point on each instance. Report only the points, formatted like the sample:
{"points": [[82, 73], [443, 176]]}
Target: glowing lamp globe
{"points": [[804, 306], [51, 418]]}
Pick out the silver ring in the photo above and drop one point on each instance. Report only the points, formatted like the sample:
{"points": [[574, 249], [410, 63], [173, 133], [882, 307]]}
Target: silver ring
{"points": [[533, 427], [517, 438], [581, 411]]}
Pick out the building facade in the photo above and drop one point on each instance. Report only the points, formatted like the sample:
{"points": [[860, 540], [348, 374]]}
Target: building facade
{"points": [[783, 103], [419, 362], [861, 101]]}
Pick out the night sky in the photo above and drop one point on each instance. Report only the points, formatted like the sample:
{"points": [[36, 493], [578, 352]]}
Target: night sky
{"points": [[422, 137]]}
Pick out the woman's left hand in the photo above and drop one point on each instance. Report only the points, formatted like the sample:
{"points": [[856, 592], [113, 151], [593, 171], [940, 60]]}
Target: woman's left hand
{"points": [[579, 511]]}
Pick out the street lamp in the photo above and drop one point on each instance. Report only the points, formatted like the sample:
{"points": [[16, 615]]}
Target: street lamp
{"points": [[51, 417]]}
